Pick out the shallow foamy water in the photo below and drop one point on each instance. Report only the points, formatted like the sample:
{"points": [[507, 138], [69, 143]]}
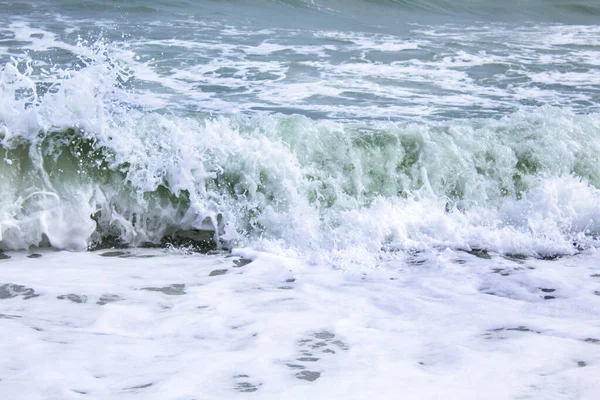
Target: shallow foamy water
{"points": [[152, 324]]}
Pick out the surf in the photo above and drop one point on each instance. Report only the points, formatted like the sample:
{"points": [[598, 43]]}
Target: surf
{"points": [[80, 168]]}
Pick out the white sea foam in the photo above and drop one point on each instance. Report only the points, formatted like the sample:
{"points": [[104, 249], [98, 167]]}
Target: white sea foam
{"points": [[436, 325], [388, 76]]}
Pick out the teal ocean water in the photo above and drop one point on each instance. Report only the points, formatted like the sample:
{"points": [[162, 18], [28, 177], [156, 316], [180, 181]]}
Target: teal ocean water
{"points": [[343, 128]]}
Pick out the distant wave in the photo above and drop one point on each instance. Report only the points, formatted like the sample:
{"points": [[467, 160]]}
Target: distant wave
{"points": [[556, 10]]}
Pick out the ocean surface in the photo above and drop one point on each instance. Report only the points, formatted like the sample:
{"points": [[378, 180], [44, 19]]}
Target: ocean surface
{"points": [[411, 185]]}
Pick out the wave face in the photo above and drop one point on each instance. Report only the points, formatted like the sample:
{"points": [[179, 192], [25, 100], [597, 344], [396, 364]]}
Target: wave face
{"points": [[75, 172], [320, 141]]}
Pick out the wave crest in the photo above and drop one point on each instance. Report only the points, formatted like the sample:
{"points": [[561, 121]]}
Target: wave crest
{"points": [[80, 168]]}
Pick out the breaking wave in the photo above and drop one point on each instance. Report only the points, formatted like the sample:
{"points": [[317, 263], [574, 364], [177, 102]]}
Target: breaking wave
{"points": [[80, 166]]}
